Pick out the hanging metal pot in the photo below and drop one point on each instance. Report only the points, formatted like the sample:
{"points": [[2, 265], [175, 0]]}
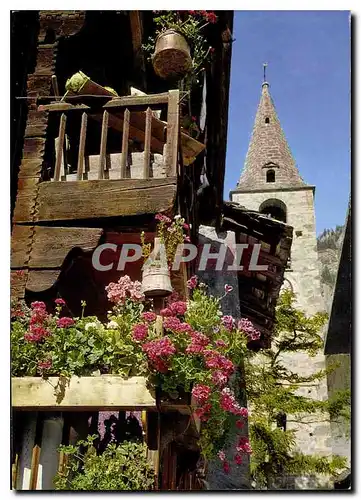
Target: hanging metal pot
{"points": [[156, 276], [172, 56]]}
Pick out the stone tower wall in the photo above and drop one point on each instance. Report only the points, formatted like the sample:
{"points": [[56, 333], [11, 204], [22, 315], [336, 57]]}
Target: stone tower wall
{"points": [[304, 278]]}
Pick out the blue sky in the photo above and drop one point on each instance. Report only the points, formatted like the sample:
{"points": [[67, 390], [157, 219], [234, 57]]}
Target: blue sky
{"points": [[308, 56]]}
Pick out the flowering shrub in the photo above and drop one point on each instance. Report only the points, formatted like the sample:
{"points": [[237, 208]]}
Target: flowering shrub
{"points": [[124, 289], [198, 351], [47, 344]]}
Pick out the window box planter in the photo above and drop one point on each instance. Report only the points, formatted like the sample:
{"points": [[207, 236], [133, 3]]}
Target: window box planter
{"points": [[104, 392]]}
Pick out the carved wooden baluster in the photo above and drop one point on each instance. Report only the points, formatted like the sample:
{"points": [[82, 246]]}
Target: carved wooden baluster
{"points": [[172, 133], [124, 157], [60, 147], [103, 145], [54, 83], [80, 168], [147, 139], [34, 479]]}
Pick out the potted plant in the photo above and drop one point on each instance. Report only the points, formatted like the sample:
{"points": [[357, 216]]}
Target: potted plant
{"points": [[156, 275], [157, 263], [179, 46]]}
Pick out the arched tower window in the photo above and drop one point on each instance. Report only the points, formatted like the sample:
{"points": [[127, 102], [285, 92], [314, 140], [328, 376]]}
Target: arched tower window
{"points": [[274, 208], [270, 176], [266, 120]]}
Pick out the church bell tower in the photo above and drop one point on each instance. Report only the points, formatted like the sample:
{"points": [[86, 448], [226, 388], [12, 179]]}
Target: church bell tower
{"points": [[271, 184]]}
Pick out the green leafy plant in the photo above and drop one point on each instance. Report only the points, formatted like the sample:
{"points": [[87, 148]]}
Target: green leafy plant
{"points": [[274, 391], [122, 468], [171, 234]]}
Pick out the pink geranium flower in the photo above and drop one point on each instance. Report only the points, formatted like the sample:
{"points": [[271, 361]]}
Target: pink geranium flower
{"points": [[38, 305], [44, 365], [201, 393], [192, 282], [65, 322], [149, 317], [178, 308], [226, 467], [140, 332], [246, 326]]}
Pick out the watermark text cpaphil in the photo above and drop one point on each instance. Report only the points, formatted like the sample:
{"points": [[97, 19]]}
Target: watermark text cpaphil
{"points": [[237, 257]]}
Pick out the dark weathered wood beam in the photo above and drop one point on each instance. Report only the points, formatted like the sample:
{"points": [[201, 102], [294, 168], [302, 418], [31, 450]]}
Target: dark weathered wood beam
{"points": [[52, 244], [58, 201], [136, 27], [153, 101]]}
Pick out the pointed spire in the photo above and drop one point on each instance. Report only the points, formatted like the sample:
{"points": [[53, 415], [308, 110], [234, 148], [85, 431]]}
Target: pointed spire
{"points": [[268, 150]]}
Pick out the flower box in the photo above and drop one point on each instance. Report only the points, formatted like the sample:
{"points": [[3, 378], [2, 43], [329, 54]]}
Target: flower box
{"points": [[104, 392]]}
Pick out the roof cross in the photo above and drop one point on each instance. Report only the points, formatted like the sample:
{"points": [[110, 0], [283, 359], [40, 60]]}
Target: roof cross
{"points": [[264, 71]]}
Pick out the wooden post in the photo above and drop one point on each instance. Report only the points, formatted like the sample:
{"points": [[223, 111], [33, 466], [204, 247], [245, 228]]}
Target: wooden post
{"points": [[125, 141], [14, 471], [60, 145], [147, 140], [173, 468], [103, 145], [34, 467], [34, 475], [80, 169], [151, 426], [171, 158], [54, 83]]}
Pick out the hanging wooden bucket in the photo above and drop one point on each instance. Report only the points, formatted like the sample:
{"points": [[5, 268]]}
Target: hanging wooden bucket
{"points": [[156, 276], [156, 282], [172, 57]]}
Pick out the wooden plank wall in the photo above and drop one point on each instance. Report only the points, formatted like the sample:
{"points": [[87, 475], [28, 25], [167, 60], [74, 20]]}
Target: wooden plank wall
{"points": [[39, 84]]}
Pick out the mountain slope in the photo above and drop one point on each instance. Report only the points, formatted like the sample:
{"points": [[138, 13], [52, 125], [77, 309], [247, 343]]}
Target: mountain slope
{"points": [[329, 244]]}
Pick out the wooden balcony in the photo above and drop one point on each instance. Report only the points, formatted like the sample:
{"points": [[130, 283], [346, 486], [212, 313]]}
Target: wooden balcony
{"points": [[136, 168]]}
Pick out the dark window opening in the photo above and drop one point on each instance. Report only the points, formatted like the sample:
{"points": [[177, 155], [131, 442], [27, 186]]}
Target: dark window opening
{"points": [[270, 176], [275, 209], [281, 420], [266, 120]]}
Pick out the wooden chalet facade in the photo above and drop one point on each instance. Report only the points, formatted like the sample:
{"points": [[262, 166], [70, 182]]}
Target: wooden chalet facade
{"points": [[91, 168]]}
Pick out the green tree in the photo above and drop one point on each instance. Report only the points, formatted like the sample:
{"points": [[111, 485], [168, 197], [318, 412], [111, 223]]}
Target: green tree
{"points": [[274, 391]]}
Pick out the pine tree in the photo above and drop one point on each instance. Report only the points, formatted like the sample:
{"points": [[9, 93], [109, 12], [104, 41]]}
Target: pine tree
{"points": [[273, 392]]}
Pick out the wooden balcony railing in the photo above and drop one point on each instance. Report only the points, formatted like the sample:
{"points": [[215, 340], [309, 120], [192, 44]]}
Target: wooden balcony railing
{"points": [[136, 119]]}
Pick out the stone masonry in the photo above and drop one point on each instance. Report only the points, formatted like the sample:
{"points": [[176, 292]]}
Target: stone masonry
{"points": [[269, 148]]}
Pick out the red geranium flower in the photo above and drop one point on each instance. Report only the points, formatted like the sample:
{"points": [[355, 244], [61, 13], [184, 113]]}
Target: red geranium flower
{"points": [[65, 322], [211, 17]]}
